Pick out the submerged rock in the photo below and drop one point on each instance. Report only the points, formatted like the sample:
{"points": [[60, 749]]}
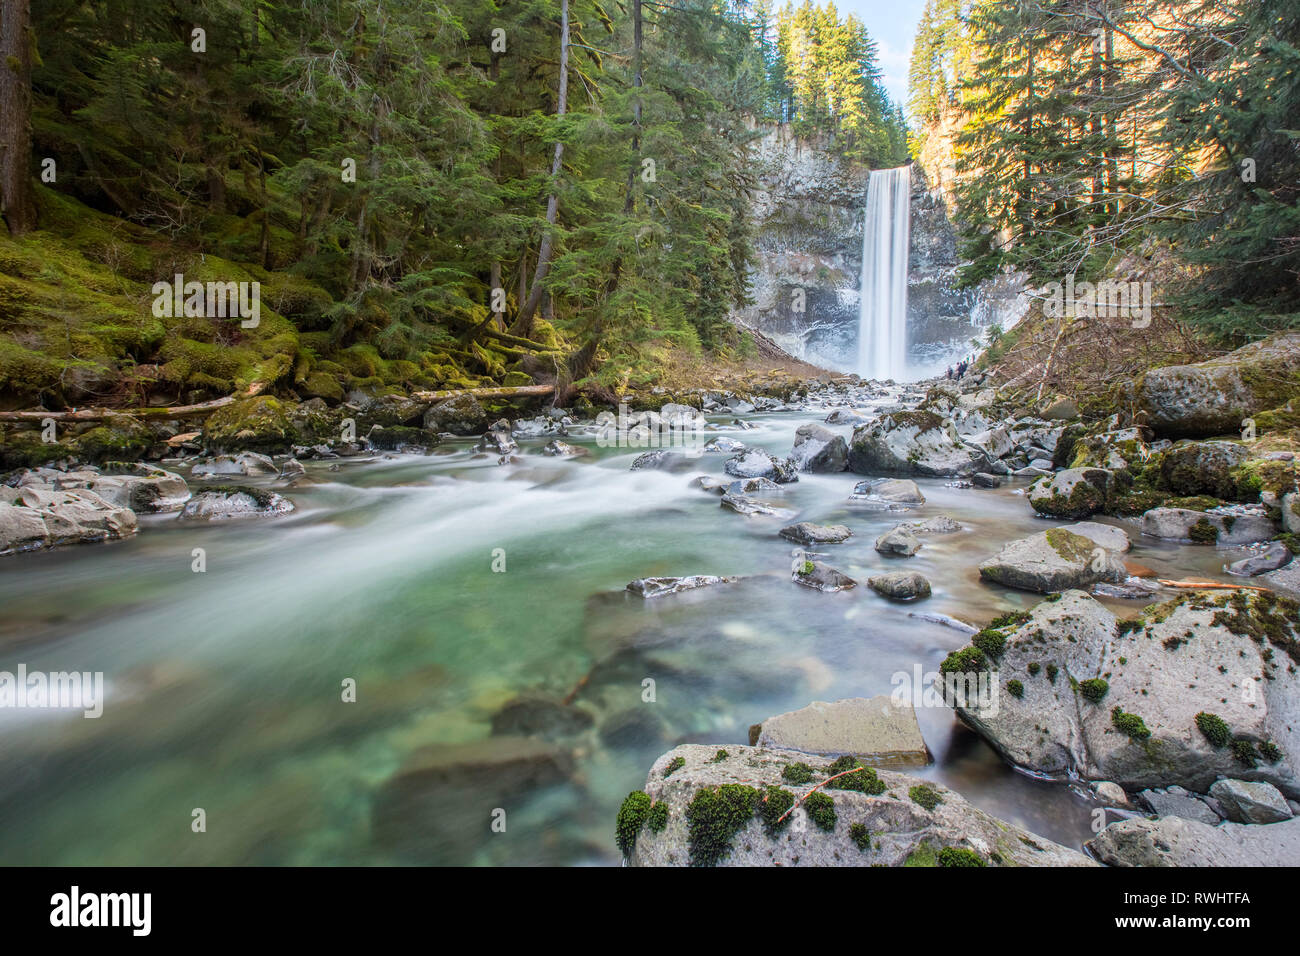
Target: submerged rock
{"points": [[658, 587], [539, 715], [898, 540], [1052, 560], [892, 491], [661, 459], [822, 577], [724, 808], [742, 504]]}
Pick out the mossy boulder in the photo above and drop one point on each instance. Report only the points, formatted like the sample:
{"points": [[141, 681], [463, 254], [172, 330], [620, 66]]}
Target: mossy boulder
{"points": [[1202, 468], [1233, 654], [261, 423], [918, 442], [733, 812], [1074, 493], [1053, 560], [1215, 397], [119, 438]]}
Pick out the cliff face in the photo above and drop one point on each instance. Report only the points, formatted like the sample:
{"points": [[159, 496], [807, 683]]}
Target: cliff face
{"points": [[809, 215]]}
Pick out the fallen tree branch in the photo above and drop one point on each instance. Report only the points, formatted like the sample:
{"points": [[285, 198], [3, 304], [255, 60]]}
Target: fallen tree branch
{"points": [[519, 391], [796, 804], [165, 412], [1199, 585]]}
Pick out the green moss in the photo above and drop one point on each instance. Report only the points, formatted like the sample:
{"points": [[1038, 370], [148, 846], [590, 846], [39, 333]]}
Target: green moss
{"points": [[1016, 689], [1214, 728], [923, 855], [861, 835], [657, 818], [960, 856], [965, 661], [772, 808], [821, 809], [631, 817], [1263, 616], [677, 763], [1052, 671], [797, 773], [1094, 689], [1033, 667], [1204, 532], [864, 781], [720, 756], [714, 817], [1070, 546], [1270, 751], [991, 641], [1130, 724], [1243, 751], [926, 796]]}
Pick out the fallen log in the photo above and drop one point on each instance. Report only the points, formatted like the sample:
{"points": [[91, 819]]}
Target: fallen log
{"points": [[1198, 584], [518, 391], [163, 412]]}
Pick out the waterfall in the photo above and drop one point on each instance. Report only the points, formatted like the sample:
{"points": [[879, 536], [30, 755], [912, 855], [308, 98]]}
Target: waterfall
{"points": [[882, 303]]}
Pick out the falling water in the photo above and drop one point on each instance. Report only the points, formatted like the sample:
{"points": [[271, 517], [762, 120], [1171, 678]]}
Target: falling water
{"points": [[882, 307]]}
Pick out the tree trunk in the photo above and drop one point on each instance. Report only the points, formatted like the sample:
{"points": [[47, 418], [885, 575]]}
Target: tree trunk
{"points": [[524, 323], [17, 199]]}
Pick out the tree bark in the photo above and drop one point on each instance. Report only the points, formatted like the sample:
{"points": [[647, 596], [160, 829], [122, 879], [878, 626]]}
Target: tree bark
{"points": [[17, 198], [524, 323]]}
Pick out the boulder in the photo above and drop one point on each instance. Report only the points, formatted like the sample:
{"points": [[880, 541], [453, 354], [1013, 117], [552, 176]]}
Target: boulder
{"points": [[661, 459], [1052, 560], [248, 464], [1274, 555], [750, 486], [846, 416], [756, 463], [459, 415], [1202, 468], [535, 714], [1246, 801], [1176, 841], [890, 491], [1182, 695], [744, 505], [901, 585], [234, 502], [1073, 493], [261, 423], [21, 529], [1207, 527], [1215, 397], [822, 577], [818, 449], [913, 443], [77, 517], [724, 445], [1105, 535], [1177, 802], [715, 813], [939, 524], [898, 540], [498, 440], [140, 487], [880, 730], [807, 533], [559, 449]]}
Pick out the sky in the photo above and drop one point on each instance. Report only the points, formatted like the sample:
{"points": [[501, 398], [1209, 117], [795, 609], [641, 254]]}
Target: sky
{"points": [[892, 23]]}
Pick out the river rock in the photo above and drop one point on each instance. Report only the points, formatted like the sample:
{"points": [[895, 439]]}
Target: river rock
{"points": [[939, 524], [661, 459], [1073, 493], [141, 487], [1201, 527], [756, 463], [912, 443], [847, 416], [1105, 535], [743, 504], [805, 532], [681, 417], [898, 540], [902, 832], [822, 577], [1052, 560], [1246, 801], [1176, 841], [880, 730], [1215, 397], [233, 502], [659, 587], [750, 486], [1196, 654], [78, 517], [560, 449], [247, 463], [21, 529], [818, 449], [892, 491], [901, 585], [1202, 468], [724, 445], [1177, 802], [1275, 555], [498, 440], [459, 415], [534, 714]]}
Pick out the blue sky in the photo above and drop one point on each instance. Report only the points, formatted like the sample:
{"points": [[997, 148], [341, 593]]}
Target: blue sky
{"points": [[892, 23]]}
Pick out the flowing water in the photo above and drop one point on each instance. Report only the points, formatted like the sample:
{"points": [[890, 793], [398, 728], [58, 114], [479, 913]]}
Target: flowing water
{"points": [[882, 308], [223, 687]]}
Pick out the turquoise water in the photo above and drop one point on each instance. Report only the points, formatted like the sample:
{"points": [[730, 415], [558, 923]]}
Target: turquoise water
{"points": [[224, 687]]}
